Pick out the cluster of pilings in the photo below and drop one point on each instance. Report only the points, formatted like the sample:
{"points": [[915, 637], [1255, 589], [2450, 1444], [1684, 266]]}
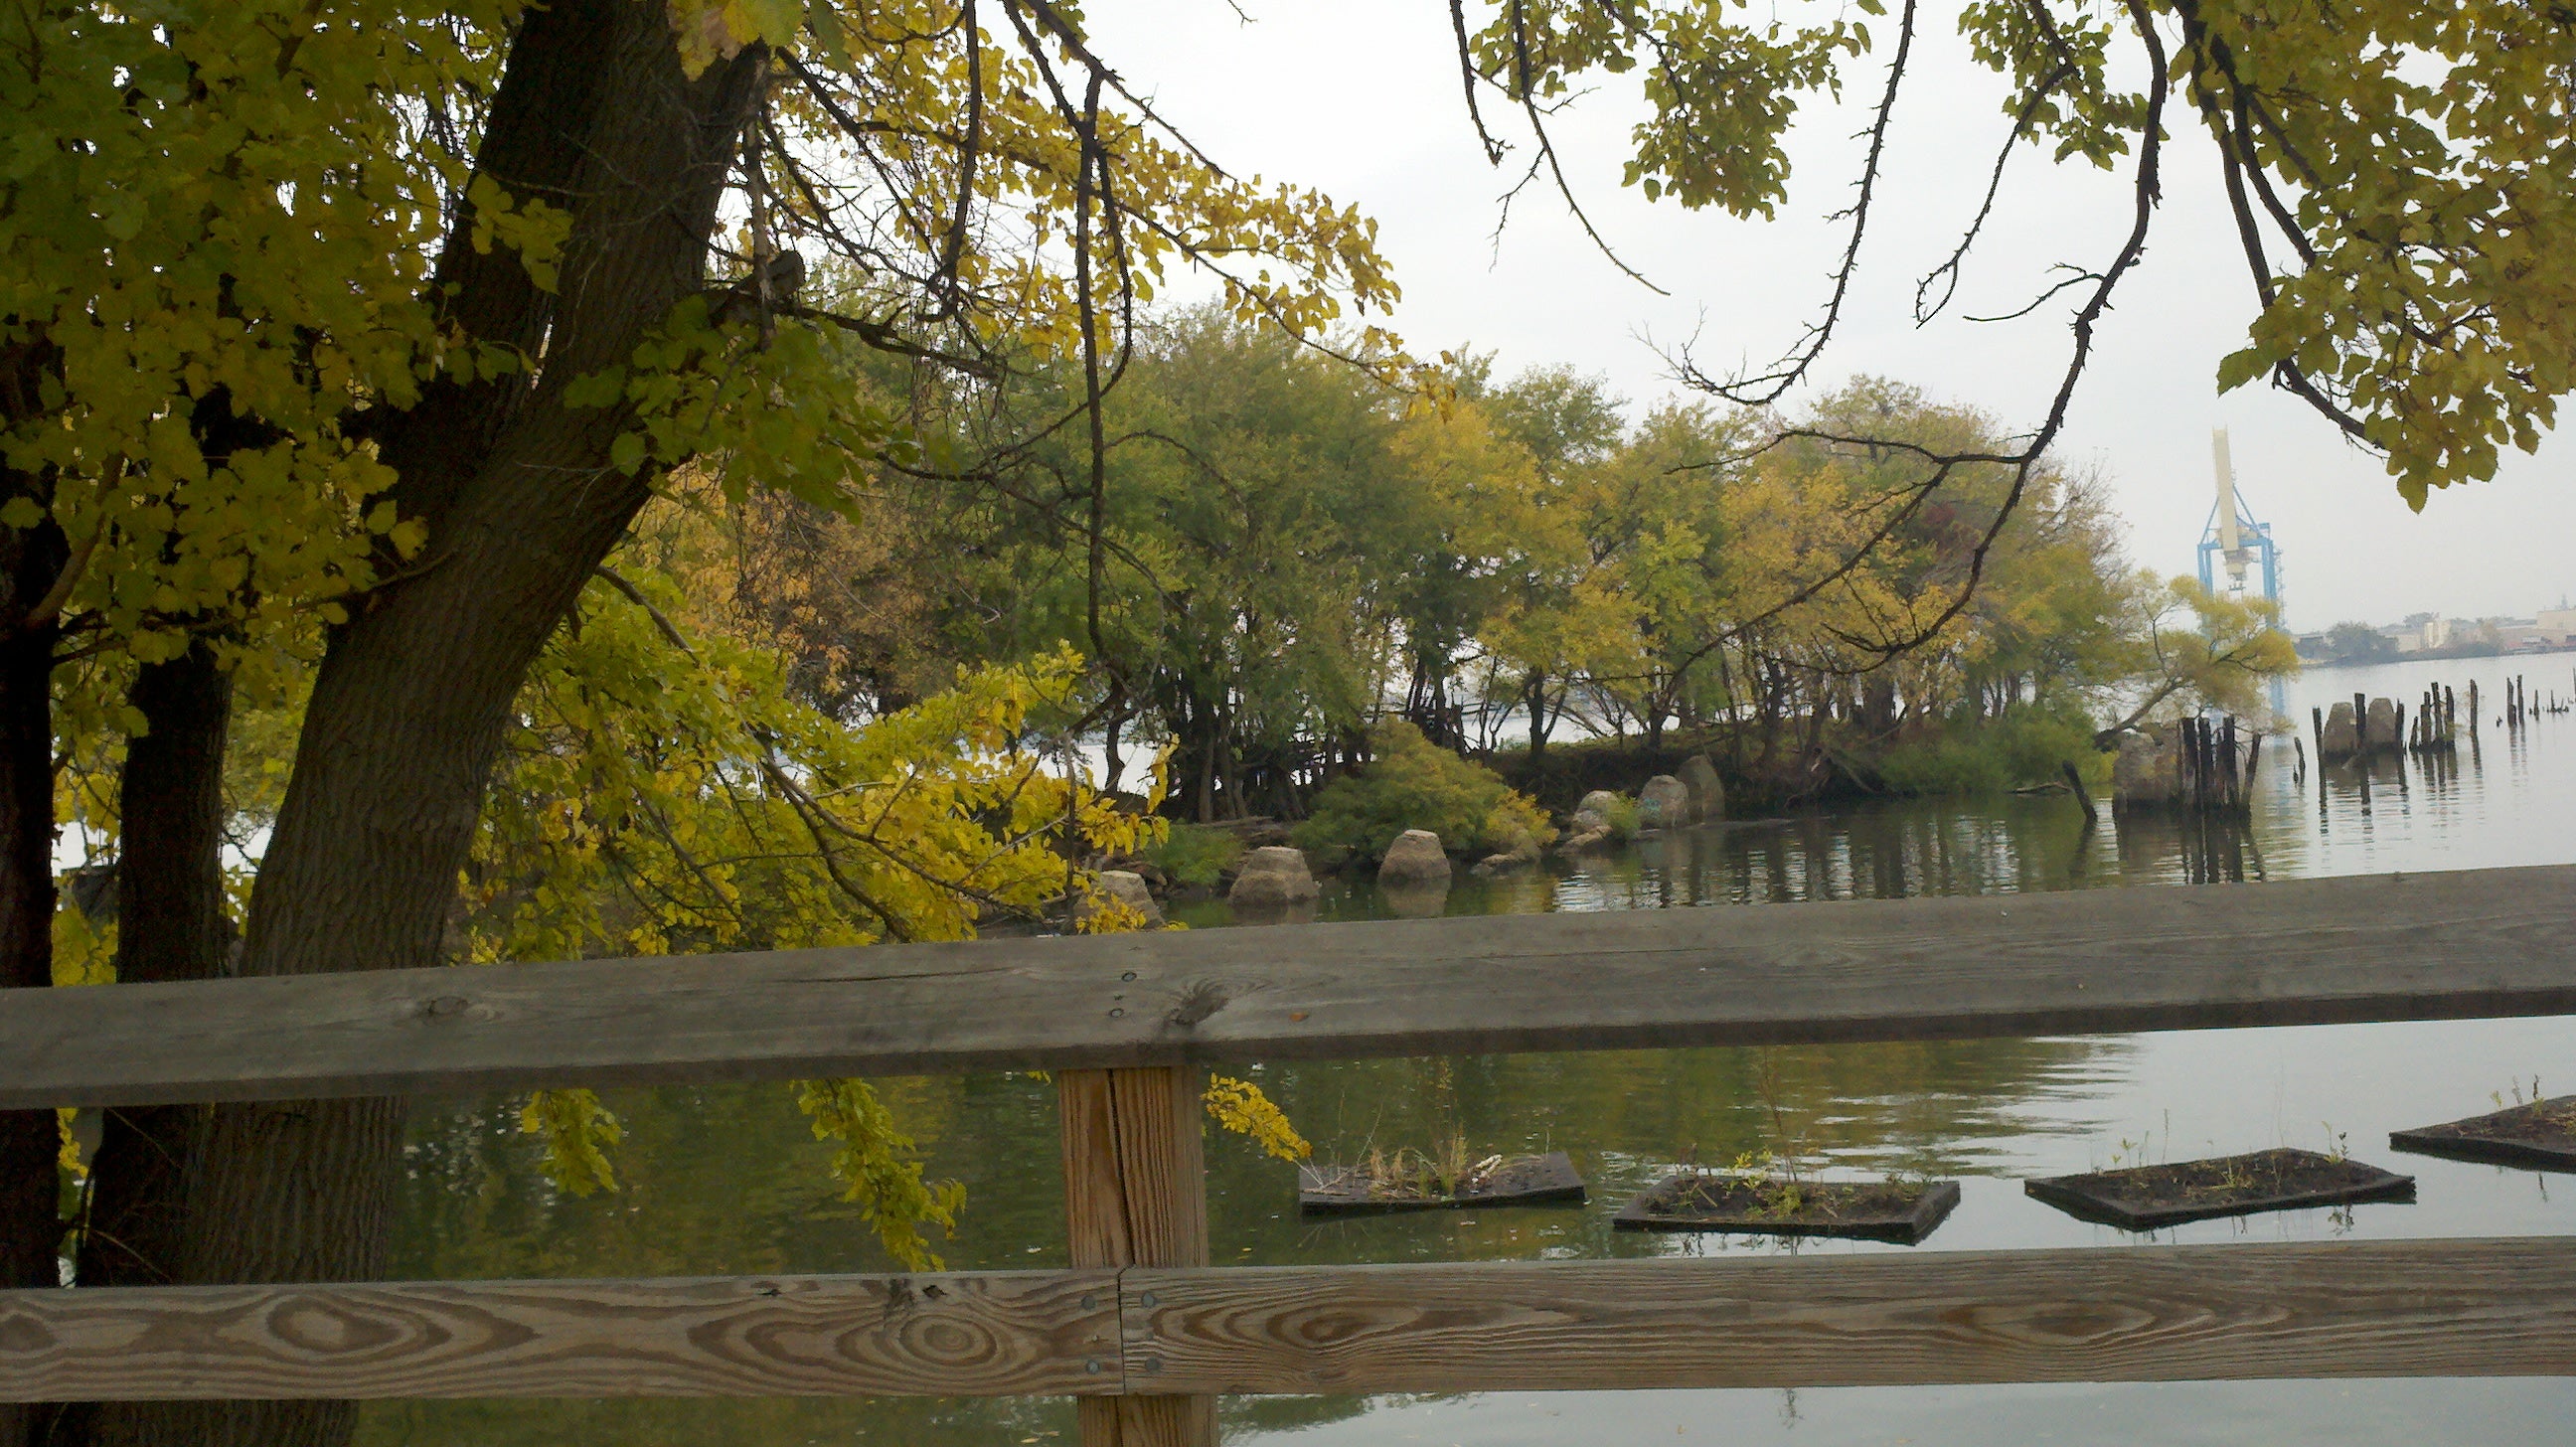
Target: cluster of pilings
{"points": [[2437, 721], [2217, 774], [2196, 765], [2368, 726], [2520, 707]]}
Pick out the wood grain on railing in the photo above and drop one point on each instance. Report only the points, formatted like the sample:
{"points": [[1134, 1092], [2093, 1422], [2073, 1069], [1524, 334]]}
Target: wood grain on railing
{"points": [[2502, 1307], [944, 1334], [2475, 943], [2319, 1309], [1135, 1194]]}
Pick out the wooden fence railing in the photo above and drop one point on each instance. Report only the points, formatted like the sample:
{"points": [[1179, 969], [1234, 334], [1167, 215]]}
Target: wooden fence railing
{"points": [[1144, 1333]]}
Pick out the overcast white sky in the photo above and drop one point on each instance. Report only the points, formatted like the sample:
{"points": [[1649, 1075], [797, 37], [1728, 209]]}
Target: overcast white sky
{"points": [[1360, 99]]}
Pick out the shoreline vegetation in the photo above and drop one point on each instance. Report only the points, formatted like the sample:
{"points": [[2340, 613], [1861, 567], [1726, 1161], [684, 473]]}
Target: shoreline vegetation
{"points": [[1529, 564]]}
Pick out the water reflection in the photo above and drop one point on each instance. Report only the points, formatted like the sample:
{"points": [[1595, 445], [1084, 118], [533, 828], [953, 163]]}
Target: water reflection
{"points": [[729, 1178]]}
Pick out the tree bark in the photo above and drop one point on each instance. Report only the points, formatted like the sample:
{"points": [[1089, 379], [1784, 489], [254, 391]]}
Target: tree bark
{"points": [[408, 709], [1534, 698], [30, 1190], [171, 926]]}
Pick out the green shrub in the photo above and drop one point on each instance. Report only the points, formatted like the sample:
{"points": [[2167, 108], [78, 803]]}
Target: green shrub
{"points": [[1411, 783], [2026, 744], [1622, 816], [1195, 854]]}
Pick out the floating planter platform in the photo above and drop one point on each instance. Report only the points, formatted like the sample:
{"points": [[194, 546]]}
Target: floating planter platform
{"points": [[1548, 1180], [2541, 1135], [2142, 1198], [1900, 1211]]}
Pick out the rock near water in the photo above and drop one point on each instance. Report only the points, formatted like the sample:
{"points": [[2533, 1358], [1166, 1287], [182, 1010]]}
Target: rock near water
{"points": [[1273, 877], [1415, 858], [1707, 791], [1664, 803], [1128, 888], [1594, 812]]}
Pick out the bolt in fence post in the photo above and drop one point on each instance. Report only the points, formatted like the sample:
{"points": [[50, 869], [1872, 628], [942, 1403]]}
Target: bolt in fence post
{"points": [[1135, 1194]]}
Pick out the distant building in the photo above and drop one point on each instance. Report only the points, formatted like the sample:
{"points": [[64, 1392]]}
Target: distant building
{"points": [[2521, 635]]}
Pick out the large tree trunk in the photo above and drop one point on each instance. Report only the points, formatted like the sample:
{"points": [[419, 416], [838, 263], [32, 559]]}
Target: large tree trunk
{"points": [[171, 921], [408, 709], [171, 925], [30, 1200]]}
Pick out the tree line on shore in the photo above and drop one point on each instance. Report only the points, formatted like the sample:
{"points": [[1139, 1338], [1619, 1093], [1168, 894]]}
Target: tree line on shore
{"points": [[1291, 550]]}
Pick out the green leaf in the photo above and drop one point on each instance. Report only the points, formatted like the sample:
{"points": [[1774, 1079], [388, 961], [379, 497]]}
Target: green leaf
{"points": [[2238, 368], [602, 388]]}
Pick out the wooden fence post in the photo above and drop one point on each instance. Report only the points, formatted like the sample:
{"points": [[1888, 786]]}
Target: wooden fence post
{"points": [[1135, 1194]]}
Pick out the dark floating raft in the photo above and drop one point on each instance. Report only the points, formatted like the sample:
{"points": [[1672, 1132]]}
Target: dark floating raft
{"points": [[1523, 1181], [2541, 1135], [2143, 1198], [1898, 1211]]}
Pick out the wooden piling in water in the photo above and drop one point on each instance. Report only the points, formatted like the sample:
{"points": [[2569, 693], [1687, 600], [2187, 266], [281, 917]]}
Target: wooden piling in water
{"points": [[2230, 784]]}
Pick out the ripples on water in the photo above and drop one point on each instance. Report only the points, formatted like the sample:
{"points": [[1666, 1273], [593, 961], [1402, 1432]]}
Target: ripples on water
{"points": [[727, 1179]]}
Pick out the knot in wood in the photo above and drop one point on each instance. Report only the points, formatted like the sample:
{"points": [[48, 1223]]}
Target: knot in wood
{"points": [[440, 1006], [1202, 999]]}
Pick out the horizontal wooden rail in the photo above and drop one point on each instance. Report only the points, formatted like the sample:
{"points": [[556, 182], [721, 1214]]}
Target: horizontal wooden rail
{"points": [[2150, 1314], [2504, 1307], [965, 1334], [2475, 943]]}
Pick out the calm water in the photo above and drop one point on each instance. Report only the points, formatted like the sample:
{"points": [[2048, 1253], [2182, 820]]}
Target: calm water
{"points": [[727, 1179]]}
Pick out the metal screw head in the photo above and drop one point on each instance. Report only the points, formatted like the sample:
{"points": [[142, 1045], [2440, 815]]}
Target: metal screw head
{"points": [[1145, 1300], [1091, 1303], [1153, 1364], [1115, 1012], [1093, 1367]]}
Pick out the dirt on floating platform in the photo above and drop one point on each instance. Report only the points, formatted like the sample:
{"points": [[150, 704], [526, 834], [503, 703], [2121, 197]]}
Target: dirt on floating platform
{"points": [[2142, 1198], [1358, 1190], [1900, 1211], [2540, 1135]]}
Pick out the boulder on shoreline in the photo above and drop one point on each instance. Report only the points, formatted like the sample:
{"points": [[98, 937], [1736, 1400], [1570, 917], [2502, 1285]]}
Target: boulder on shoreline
{"points": [[1707, 790], [1593, 813], [1126, 887], [1273, 877], [1415, 858], [1664, 803]]}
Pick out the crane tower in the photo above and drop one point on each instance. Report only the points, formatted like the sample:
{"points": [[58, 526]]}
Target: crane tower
{"points": [[2234, 541], [2237, 546]]}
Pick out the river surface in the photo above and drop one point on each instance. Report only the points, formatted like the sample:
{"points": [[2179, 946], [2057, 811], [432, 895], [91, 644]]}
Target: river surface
{"points": [[727, 1179]]}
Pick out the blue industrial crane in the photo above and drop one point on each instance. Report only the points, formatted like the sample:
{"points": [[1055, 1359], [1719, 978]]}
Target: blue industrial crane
{"points": [[2235, 544]]}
